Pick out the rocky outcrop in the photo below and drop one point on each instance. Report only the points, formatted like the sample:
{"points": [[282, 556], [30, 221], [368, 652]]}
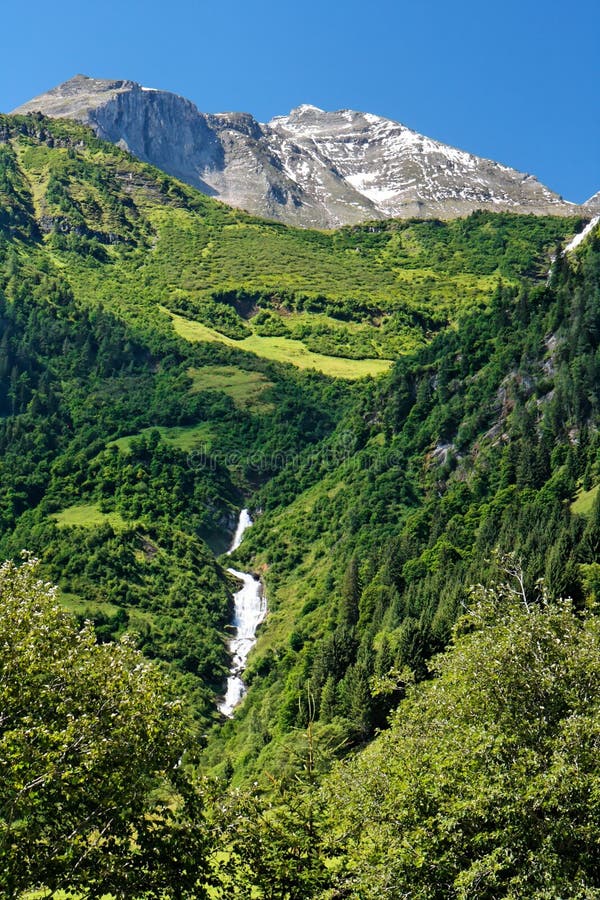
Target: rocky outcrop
{"points": [[310, 168], [593, 204]]}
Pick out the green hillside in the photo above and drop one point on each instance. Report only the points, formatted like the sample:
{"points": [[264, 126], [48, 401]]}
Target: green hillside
{"points": [[369, 553], [408, 409], [140, 243]]}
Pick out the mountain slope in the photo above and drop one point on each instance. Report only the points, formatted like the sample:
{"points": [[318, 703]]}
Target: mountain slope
{"points": [[310, 168], [486, 441], [151, 249], [127, 443], [126, 450]]}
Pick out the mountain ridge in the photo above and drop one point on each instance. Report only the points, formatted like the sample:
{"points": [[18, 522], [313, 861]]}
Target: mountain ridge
{"points": [[311, 168]]}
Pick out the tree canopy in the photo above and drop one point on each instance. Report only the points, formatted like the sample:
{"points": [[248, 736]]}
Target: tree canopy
{"points": [[92, 797], [487, 784]]}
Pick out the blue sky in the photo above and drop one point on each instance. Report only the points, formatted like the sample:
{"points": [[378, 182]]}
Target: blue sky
{"points": [[514, 81]]}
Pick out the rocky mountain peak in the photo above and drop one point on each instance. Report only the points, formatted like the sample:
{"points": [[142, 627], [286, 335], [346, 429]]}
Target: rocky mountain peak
{"points": [[310, 167], [303, 113], [306, 109]]}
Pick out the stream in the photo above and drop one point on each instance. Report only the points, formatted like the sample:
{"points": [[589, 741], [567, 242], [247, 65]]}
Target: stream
{"points": [[250, 602], [249, 611]]}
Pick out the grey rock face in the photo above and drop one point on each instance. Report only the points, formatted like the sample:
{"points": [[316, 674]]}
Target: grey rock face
{"points": [[593, 204], [310, 168]]}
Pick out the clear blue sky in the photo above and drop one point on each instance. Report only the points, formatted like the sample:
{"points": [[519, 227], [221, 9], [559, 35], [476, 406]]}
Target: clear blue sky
{"points": [[516, 80]]}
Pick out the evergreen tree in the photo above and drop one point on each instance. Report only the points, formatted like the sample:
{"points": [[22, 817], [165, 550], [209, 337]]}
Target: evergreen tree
{"points": [[487, 783], [350, 599]]}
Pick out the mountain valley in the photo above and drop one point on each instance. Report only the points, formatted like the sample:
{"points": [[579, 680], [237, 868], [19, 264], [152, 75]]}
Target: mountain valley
{"points": [[409, 407]]}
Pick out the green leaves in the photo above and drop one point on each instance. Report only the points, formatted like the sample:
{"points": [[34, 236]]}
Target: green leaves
{"points": [[90, 739], [488, 782]]}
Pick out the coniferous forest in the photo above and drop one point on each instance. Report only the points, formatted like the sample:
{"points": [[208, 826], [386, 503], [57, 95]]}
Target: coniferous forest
{"points": [[410, 410]]}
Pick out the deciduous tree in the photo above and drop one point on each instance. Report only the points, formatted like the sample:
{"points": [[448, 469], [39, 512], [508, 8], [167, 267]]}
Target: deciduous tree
{"points": [[92, 798]]}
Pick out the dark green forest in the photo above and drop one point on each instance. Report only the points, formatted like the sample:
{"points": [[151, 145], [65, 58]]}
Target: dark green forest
{"points": [[422, 715]]}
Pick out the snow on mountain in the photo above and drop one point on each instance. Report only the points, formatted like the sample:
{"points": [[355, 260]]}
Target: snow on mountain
{"points": [[310, 168], [593, 204], [401, 172]]}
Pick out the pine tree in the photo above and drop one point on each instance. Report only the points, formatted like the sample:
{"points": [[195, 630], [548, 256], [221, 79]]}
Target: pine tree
{"points": [[350, 599]]}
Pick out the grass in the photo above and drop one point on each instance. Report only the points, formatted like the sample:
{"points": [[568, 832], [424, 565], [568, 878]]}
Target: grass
{"points": [[244, 387], [79, 606], [88, 516], [258, 256], [305, 580], [390, 287], [285, 350], [183, 437], [583, 503]]}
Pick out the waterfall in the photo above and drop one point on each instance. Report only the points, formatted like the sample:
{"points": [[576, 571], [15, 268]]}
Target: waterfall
{"points": [[250, 609]]}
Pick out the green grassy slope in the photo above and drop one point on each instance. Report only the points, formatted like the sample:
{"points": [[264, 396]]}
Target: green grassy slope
{"points": [[486, 439], [145, 393], [134, 424], [129, 237]]}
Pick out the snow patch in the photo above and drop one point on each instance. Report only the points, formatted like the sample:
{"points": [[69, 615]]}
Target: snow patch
{"points": [[307, 107]]}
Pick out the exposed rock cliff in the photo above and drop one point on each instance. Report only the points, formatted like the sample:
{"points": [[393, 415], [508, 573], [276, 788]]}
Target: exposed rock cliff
{"points": [[311, 168]]}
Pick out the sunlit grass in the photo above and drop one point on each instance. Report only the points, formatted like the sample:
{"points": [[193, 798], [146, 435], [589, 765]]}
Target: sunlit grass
{"points": [[88, 516], [243, 386], [183, 437], [582, 505], [284, 350], [83, 607]]}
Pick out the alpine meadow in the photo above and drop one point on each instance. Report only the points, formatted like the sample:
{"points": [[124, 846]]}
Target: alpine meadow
{"points": [[407, 410]]}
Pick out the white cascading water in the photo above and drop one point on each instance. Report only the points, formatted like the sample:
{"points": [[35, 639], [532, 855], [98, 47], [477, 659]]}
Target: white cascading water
{"points": [[250, 611]]}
